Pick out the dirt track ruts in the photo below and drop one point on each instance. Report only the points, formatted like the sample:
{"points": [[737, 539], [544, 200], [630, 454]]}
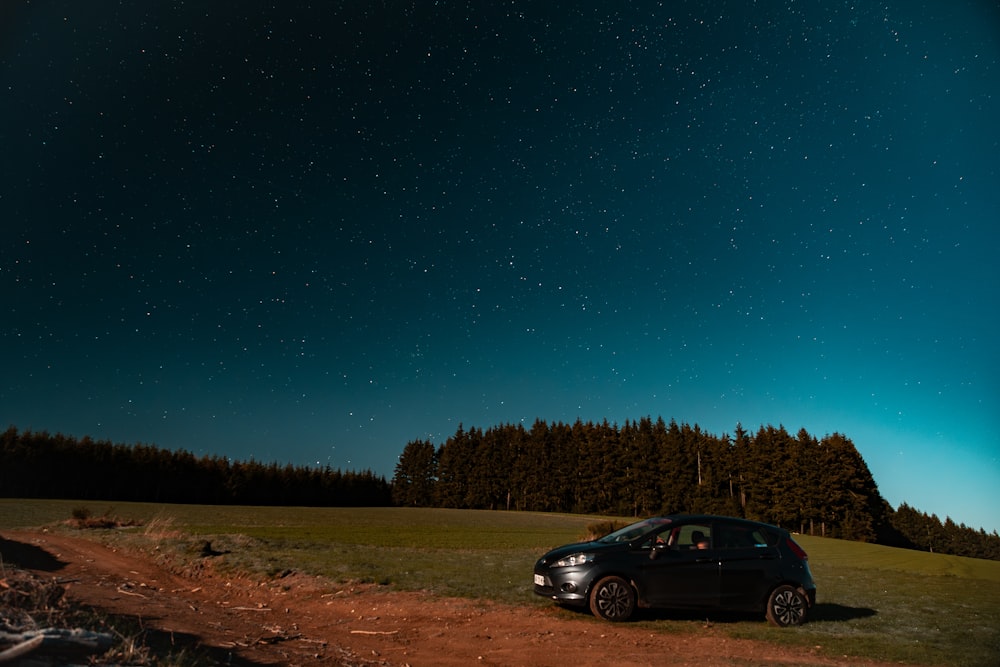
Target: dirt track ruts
{"points": [[302, 620]]}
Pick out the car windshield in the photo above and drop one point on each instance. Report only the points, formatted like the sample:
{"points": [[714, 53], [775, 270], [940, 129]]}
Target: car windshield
{"points": [[632, 531]]}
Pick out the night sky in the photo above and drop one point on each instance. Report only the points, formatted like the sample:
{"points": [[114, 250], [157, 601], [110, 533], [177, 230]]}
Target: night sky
{"points": [[313, 232]]}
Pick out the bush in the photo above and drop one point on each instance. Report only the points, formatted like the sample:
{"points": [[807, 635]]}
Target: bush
{"points": [[82, 517], [601, 528]]}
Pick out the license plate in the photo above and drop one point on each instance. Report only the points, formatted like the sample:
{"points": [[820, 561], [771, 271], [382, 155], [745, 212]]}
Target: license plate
{"points": [[539, 580]]}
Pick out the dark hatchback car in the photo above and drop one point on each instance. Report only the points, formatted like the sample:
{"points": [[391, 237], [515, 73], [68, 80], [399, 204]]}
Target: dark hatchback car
{"points": [[683, 562]]}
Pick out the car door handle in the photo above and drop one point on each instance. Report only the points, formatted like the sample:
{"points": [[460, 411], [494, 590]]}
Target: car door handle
{"points": [[704, 560]]}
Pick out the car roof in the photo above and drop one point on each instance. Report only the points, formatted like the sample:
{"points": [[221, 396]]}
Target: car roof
{"points": [[708, 518]]}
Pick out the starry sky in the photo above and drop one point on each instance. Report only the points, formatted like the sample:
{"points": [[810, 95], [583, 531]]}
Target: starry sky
{"points": [[313, 232]]}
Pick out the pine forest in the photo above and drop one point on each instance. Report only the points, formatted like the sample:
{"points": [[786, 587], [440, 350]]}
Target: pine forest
{"points": [[819, 486]]}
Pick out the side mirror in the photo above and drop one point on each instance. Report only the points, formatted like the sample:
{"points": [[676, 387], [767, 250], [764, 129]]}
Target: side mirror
{"points": [[659, 547]]}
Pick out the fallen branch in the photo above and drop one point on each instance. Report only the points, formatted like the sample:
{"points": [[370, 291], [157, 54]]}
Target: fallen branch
{"points": [[22, 649], [274, 639], [122, 589], [54, 640], [374, 632]]}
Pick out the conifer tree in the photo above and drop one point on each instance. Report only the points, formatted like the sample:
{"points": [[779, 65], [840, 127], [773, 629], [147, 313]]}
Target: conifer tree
{"points": [[413, 481]]}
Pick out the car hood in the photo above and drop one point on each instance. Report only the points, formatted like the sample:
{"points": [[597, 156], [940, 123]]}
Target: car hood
{"points": [[579, 547]]}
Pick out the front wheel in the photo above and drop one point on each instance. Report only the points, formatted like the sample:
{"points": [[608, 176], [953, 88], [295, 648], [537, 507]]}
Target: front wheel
{"points": [[612, 599], [786, 606]]}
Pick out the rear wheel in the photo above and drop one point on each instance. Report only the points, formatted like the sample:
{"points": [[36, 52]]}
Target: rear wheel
{"points": [[612, 599], [787, 606]]}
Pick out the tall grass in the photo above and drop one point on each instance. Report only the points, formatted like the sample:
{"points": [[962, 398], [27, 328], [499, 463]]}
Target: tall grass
{"points": [[875, 603]]}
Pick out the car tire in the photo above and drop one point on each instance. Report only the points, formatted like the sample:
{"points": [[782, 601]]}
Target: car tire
{"points": [[787, 606], [613, 599]]}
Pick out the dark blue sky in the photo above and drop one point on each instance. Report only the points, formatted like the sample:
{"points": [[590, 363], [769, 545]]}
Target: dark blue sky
{"points": [[313, 232]]}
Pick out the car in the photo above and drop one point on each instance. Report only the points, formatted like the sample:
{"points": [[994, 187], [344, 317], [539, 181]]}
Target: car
{"points": [[696, 562]]}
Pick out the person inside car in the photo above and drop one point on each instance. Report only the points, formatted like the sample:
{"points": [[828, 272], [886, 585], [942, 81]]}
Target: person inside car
{"points": [[699, 540]]}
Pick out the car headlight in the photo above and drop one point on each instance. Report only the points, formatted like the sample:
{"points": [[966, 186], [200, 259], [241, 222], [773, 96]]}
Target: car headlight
{"points": [[575, 559]]}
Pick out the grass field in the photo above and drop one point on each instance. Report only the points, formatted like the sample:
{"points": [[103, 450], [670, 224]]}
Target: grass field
{"points": [[874, 602]]}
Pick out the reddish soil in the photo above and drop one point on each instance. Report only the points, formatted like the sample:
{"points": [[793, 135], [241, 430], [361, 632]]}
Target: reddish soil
{"points": [[300, 620]]}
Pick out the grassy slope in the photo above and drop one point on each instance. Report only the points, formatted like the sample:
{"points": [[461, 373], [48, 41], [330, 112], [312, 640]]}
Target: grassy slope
{"points": [[874, 602]]}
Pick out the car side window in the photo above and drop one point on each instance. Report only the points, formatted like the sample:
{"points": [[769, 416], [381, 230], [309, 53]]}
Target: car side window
{"points": [[767, 538], [659, 539], [730, 536], [691, 536]]}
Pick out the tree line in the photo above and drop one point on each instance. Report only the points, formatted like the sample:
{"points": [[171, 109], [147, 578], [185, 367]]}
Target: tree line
{"points": [[809, 485], [818, 486], [41, 465]]}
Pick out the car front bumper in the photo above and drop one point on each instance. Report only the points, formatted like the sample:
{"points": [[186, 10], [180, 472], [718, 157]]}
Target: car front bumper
{"points": [[565, 585]]}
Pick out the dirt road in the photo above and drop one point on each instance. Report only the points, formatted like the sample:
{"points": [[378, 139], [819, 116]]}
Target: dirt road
{"points": [[300, 620]]}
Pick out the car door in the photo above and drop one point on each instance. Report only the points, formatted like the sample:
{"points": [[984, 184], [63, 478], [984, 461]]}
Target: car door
{"points": [[681, 570], [748, 562]]}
